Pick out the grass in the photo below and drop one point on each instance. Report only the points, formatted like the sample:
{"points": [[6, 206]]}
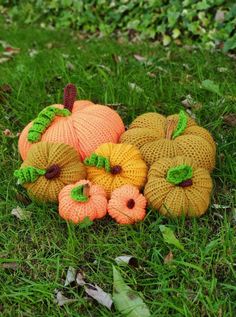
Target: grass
{"points": [[199, 281]]}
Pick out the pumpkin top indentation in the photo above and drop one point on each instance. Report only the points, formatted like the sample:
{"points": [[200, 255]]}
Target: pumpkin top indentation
{"points": [[130, 203], [53, 171], [117, 169]]}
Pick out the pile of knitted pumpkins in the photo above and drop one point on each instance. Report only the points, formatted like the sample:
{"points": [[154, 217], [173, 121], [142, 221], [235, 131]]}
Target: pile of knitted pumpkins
{"points": [[79, 155]]}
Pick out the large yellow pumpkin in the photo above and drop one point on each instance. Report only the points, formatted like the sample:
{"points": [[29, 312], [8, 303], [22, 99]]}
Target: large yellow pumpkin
{"points": [[48, 168], [114, 165], [80, 124], [176, 186], [158, 137]]}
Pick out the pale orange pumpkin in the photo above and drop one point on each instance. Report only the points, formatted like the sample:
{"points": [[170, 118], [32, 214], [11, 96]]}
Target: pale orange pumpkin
{"points": [[82, 200], [80, 124]]}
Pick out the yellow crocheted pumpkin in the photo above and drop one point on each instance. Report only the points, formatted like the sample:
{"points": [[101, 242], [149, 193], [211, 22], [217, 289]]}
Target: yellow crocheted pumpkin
{"points": [[48, 168], [178, 187], [114, 165], [157, 137]]}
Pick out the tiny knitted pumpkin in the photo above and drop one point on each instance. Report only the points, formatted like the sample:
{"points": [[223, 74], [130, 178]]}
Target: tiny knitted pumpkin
{"points": [[114, 165], [178, 187], [81, 200], [158, 137], [127, 205], [48, 168], [81, 124]]}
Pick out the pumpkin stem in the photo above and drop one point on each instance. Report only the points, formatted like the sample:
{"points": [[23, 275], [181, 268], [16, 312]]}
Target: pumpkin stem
{"points": [[80, 193], [170, 126], [180, 175], [70, 93], [28, 174], [53, 171]]}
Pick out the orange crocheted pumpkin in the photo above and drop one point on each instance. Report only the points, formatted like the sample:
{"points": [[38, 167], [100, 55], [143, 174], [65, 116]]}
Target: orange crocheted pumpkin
{"points": [[81, 124], [114, 165], [48, 168], [178, 187], [127, 205], [158, 137], [81, 200]]}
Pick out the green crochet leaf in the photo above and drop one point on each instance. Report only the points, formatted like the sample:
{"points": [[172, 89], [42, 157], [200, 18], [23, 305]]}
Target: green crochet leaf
{"points": [[77, 194], [178, 174], [43, 121], [28, 174], [98, 161], [182, 124]]}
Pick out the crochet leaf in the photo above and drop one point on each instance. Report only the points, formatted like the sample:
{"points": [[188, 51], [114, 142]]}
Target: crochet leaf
{"points": [[179, 174], [98, 161], [182, 124], [77, 194], [43, 121], [28, 174]]}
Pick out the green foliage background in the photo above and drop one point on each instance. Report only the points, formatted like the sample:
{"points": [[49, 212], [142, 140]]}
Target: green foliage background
{"points": [[211, 22]]}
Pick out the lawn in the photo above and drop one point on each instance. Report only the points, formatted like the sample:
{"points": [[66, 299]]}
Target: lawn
{"points": [[199, 281]]}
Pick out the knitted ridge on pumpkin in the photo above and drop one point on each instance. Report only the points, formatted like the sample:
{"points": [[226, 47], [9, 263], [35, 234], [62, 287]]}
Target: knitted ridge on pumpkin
{"points": [[127, 205], [61, 164], [176, 135], [80, 124], [76, 210], [176, 186], [126, 167]]}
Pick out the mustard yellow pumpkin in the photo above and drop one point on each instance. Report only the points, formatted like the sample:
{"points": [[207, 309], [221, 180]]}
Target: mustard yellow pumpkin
{"points": [[176, 135], [113, 165], [176, 186]]}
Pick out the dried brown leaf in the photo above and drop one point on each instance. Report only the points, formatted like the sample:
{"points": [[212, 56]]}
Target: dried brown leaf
{"points": [[230, 119], [126, 259], [10, 265], [70, 276], [168, 258], [62, 300], [20, 213], [140, 58]]}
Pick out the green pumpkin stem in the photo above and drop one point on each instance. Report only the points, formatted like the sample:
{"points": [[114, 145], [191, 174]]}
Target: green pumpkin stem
{"points": [[28, 174], [179, 174], [80, 193], [98, 161]]}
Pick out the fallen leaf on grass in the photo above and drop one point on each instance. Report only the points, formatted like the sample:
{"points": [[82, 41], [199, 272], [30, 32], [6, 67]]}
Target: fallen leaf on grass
{"points": [[94, 291], [126, 300], [4, 59], [140, 58], [230, 119], [168, 258], [7, 132], [169, 237], [10, 265], [62, 300], [20, 213], [190, 103], [33, 52], [24, 200], [126, 259], [222, 69], [116, 58], [5, 89], [135, 87], [152, 75], [70, 276], [211, 86]]}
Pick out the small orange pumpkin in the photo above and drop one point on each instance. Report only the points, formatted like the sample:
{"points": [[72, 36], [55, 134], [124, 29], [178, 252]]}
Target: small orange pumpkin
{"points": [[82, 200], [80, 124], [127, 205], [158, 137]]}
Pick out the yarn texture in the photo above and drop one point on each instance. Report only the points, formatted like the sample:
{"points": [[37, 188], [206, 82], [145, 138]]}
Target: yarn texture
{"points": [[80, 124], [158, 137], [126, 167], [176, 186], [127, 205], [48, 168], [82, 199]]}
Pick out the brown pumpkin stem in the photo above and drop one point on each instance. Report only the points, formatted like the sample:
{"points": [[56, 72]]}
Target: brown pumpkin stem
{"points": [[186, 183], [116, 169], [130, 203], [53, 171], [170, 127], [70, 93], [86, 189]]}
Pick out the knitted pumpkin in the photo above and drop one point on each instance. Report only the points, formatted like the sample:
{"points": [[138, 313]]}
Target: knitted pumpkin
{"points": [[114, 165], [178, 187], [81, 124], [81, 200], [158, 137], [48, 168], [127, 205]]}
